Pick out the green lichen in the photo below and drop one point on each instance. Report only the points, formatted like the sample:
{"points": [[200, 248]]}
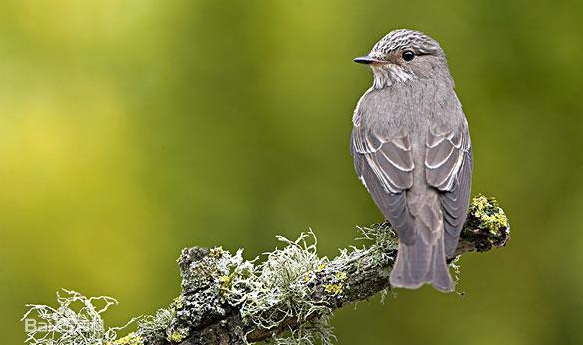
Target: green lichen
{"points": [[334, 289], [492, 217], [217, 252], [335, 284], [178, 303], [130, 339], [486, 225], [225, 283], [178, 335]]}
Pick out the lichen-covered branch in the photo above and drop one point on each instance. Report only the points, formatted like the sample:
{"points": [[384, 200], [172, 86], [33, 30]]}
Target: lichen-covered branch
{"points": [[288, 297]]}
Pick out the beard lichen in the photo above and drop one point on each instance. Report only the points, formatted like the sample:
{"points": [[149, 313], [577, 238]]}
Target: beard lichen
{"points": [[77, 320], [279, 289]]}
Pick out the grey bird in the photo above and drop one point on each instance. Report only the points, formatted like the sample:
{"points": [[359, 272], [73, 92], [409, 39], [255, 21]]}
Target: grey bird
{"points": [[412, 151]]}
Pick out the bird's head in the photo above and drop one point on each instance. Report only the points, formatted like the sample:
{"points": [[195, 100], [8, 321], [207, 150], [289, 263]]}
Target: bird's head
{"points": [[405, 55]]}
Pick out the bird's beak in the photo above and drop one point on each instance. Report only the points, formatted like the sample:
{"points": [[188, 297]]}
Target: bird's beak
{"points": [[367, 60]]}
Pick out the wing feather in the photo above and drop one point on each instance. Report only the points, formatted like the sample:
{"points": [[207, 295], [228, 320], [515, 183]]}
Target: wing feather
{"points": [[385, 166], [448, 164]]}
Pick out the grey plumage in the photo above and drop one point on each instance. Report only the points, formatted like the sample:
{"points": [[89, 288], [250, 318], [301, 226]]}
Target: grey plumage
{"points": [[412, 151]]}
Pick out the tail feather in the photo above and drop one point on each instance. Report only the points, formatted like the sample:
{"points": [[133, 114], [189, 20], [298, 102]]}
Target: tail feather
{"points": [[421, 263]]}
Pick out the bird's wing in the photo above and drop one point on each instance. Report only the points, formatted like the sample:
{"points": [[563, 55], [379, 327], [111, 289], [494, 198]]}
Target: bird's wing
{"points": [[385, 166], [448, 167]]}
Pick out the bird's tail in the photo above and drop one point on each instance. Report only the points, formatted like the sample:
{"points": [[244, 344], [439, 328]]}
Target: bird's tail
{"points": [[423, 261]]}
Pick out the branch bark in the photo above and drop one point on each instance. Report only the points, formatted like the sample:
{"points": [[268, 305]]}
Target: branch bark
{"points": [[204, 315]]}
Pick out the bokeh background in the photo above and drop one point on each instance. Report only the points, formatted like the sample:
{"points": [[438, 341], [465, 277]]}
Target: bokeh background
{"points": [[132, 129]]}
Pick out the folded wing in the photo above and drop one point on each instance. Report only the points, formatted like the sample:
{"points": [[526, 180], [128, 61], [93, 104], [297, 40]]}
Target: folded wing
{"points": [[448, 167], [384, 164]]}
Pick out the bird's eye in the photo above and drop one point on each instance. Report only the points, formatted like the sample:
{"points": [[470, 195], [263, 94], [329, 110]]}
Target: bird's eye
{"points": [[408, 55]]}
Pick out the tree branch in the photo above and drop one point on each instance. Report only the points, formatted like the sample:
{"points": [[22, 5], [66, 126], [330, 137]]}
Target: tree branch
{"points": [[229, 301]]}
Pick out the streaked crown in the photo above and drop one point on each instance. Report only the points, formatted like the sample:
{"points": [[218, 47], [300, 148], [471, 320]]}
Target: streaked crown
{"points": [[407, 39]]}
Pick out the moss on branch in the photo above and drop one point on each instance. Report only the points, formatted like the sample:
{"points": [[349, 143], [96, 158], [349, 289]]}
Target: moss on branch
{"points": [[288, 297]]}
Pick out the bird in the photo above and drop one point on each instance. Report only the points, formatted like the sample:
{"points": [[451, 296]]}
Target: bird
{"points": [[411, 148]]}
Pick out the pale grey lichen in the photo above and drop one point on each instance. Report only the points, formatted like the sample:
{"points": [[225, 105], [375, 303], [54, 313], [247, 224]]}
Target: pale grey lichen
{"points": [[76, 321], [316, 331], [276, 289], [152, 328], [382, 246]]}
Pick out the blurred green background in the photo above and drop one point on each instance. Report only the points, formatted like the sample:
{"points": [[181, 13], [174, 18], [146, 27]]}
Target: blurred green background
{"points": [[132, 129]]}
